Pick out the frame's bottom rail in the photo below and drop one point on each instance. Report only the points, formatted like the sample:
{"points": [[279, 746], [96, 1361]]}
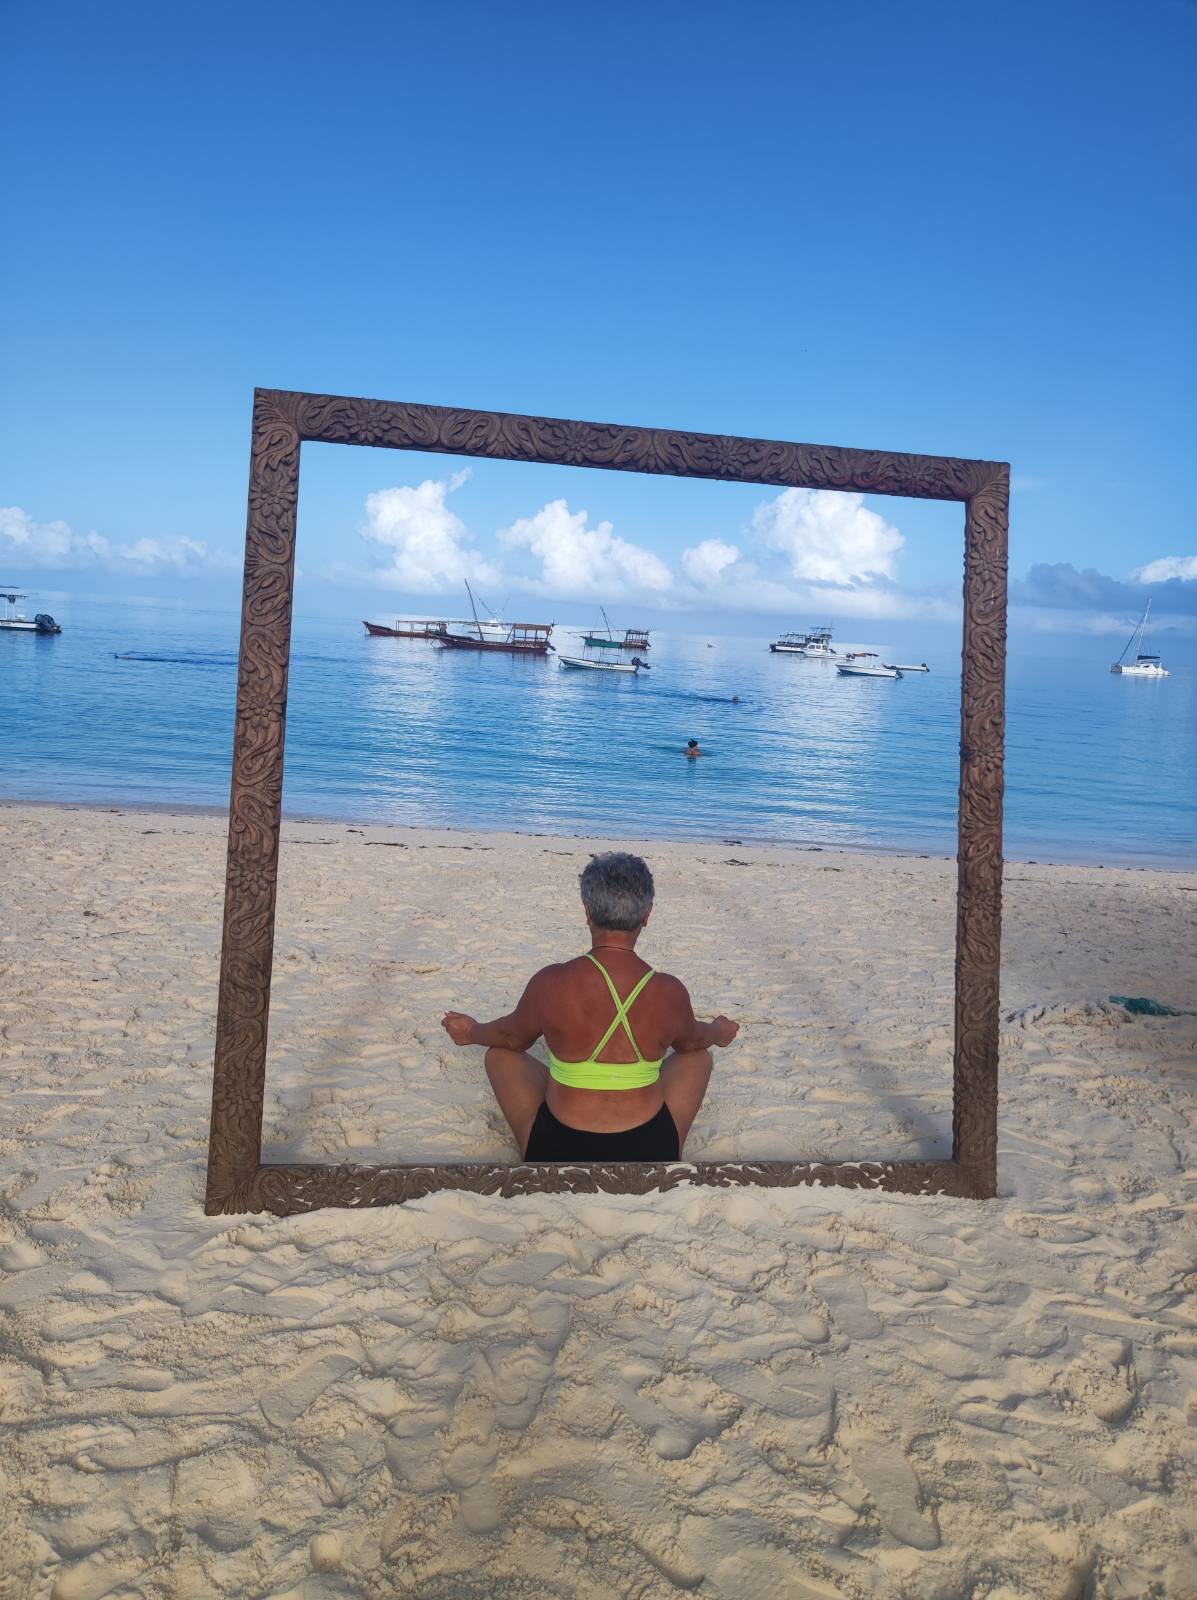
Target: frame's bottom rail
{"points": [[287, 1190]]}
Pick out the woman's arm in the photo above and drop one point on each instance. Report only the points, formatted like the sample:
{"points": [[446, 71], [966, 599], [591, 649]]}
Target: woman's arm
{"points": [[518, 1030], [694, 1035]]}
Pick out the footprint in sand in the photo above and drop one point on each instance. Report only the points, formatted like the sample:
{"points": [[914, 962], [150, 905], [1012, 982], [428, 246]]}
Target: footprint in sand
{"points": [[1103, 1379], [850, 1314], [882, 1467], [284, 1401], [469, 1468]]}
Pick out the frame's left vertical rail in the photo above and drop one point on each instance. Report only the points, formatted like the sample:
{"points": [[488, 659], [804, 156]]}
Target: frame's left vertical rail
{"points": [[255, 810]]}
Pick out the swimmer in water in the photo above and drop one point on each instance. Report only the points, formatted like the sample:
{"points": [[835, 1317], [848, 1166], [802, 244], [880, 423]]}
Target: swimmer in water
{"points": [[735, 699], [692, 750]]}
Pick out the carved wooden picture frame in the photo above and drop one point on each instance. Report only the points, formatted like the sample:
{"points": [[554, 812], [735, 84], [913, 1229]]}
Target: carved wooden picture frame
{"points": [[282, 421]]}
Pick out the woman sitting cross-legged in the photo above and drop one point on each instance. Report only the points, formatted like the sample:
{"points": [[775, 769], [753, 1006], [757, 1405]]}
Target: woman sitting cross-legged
{"points": [[629, 1064]]}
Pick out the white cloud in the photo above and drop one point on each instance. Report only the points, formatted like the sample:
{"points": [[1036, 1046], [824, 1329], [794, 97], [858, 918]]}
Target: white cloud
{"points": [[55, 544], [429, 541], [705, 563], [841, 553], [1167, 567], [827, 536], [582, 562], [1042, 619], [718, 573]]}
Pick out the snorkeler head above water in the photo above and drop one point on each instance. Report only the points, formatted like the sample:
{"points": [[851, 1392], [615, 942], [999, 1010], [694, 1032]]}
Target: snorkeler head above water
{"points": [[692, 750]]}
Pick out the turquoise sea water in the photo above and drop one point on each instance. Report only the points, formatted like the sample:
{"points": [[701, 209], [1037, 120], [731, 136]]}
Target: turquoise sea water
{"points": [[1100, 769]]}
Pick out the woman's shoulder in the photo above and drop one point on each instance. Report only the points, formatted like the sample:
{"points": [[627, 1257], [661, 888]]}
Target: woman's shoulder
{"points": [[669, 987]]}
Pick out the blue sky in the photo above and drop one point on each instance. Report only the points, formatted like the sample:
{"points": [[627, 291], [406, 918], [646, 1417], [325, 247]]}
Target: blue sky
{"points": [[940, 230]]}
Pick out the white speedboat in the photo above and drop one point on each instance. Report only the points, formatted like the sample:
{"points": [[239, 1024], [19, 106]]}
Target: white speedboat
{"points": [[900, 666], [864, 664], [14, 621], [632, 666], [1143, 665]]}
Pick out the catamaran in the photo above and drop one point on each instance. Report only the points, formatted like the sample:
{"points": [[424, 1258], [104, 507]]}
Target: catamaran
{"points": [[1143, 665], [14, 621]]}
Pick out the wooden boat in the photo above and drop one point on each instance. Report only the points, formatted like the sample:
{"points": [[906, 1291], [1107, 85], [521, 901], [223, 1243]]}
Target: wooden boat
{"points": [[523, 639], [601, 666], [633, 638], [406, 628], [520, 639]]}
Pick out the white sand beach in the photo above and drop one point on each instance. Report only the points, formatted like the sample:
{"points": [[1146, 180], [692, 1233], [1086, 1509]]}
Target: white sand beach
{"points": [[745, 1395]]}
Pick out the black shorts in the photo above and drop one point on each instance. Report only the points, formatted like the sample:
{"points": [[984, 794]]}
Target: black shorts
{"points": [[553, 1140]]}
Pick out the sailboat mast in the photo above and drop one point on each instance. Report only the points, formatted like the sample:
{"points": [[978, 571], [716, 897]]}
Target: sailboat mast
{"points": [[473, 608], [1143, 629]]}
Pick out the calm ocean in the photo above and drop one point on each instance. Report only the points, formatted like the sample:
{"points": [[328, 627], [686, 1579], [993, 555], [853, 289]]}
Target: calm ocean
{"points": [[1100, 769]]}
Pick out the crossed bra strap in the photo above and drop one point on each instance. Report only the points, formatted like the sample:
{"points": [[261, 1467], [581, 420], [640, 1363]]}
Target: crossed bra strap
{"points": [[622, 1007], [595, 1074]]}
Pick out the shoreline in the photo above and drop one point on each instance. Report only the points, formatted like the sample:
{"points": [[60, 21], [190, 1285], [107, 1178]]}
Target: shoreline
{"points": [[824, 847]]}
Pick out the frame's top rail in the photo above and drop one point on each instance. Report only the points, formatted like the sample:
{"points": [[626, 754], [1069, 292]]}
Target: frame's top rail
{"points": [[510, 436]]}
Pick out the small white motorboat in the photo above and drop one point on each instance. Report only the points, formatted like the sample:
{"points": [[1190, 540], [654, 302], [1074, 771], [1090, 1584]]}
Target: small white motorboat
{"points": [[900, 666], [601, 666], [14, 621], [864, 664]]}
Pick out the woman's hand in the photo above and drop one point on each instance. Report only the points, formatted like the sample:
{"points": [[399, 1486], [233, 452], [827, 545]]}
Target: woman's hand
{"points": [[459, 1027], [724, 1030]]}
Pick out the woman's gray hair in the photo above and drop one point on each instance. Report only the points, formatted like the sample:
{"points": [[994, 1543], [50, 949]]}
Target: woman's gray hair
{"points": [[617, 890]]}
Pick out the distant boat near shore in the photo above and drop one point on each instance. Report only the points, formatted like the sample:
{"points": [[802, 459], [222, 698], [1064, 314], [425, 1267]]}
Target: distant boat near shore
{"points": [[14, 621], [1144, 665]]}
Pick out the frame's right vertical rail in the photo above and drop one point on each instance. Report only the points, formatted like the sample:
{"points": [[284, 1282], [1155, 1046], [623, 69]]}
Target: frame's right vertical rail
{"points": [[979, 894]]}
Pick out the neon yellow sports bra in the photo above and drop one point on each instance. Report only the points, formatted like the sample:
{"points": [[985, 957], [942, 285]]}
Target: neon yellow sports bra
{"points": [[596, 1074]]}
